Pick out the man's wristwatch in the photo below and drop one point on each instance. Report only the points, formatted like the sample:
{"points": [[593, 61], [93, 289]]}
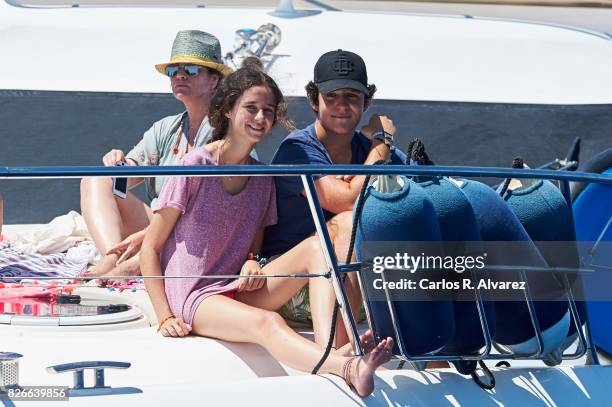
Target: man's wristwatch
{"points": [[383, 136]]}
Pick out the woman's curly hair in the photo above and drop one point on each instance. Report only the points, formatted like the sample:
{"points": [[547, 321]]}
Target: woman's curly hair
{"points": [[233, 86], [312, 93]]}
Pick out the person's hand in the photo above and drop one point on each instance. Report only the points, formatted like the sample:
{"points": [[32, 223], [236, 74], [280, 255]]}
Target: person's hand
{"points": [[250, 268], [175, 327], [378, 123], [113, 157], [128, 247]]}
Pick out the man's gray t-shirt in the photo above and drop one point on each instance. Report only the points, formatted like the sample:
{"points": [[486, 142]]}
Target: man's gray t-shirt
{"points": [[165, 143]]}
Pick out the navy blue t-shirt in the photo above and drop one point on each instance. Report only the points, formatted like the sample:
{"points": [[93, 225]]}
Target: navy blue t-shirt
{"points": [[294, 218]]}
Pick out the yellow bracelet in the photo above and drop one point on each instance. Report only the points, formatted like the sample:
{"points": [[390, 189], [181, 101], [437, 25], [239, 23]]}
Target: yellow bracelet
{"points": [[163, 321]]}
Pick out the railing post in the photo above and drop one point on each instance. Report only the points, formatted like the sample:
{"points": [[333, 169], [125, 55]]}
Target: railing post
{"points": [[592, 358], [332, 261]]}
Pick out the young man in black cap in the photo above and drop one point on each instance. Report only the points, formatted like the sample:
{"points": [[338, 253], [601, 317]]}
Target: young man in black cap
{"points": [[339, 95]]}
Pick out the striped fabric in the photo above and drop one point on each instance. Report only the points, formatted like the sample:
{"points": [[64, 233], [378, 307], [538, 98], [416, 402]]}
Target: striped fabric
{"points": [[14, 263]]}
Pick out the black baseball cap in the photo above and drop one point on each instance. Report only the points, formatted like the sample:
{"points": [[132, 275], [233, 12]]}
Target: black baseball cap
{"points": [[340, 69]]}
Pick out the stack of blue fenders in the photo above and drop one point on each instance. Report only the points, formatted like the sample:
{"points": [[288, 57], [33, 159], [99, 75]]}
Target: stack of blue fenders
{"points": [[470, 213]]}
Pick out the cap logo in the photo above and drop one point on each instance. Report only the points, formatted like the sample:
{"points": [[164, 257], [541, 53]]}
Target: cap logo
{"points": [[343, 66]]}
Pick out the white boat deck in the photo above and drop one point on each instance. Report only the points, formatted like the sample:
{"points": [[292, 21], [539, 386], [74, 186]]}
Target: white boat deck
{"points": [[410, 57], [415, 57], [204, 371]]}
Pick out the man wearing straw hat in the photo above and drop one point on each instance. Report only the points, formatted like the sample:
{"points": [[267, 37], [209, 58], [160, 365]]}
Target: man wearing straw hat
{"points": [[118, 225]]}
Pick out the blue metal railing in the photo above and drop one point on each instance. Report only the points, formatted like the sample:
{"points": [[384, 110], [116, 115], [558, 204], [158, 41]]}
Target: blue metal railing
{"points": [[306, 173], [297, 170]]}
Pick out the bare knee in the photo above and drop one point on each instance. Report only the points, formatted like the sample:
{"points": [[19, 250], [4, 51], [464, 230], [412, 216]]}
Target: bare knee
{"points": [[269, 323], [92, 189], [340, 228], [313, 253], [340, 224], [89, 184], [312, 244]]}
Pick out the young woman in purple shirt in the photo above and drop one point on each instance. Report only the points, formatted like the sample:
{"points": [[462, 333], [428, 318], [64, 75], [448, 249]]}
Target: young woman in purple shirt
{"points": [[205, 226]]}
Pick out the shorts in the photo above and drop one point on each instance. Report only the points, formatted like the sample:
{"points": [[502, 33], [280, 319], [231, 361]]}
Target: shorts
{"points": [[229, 294]]}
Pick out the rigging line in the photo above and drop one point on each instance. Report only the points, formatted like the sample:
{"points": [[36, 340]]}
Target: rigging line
{"points": [[535, 269], [600, 237], [105, 277], [60, 172]]}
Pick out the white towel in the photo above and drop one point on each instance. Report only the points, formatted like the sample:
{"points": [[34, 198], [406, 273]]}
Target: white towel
{"points": [[59, 235]]}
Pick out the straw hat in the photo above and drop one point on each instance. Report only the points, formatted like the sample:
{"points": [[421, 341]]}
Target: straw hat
{"points": [[196, 47]]}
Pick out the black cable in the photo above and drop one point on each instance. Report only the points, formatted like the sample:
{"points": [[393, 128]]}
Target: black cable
{"points": [[418, 154], [358, 210], [409, 150], [480, 383]]}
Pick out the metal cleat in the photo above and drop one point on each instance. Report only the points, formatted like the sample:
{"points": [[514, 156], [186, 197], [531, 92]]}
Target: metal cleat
{"points": [[99, 388]]}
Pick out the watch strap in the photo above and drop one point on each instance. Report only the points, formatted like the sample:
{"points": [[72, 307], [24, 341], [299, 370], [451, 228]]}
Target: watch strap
{"points": [[385, 137]]}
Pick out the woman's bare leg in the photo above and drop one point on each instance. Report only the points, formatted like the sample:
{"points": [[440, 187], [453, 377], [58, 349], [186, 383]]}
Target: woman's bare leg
{"points": [[305, 258], [110, 219], [230, 320], [322, 295]]}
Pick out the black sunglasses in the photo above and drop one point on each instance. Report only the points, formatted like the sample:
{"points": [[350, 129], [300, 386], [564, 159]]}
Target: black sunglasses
{"points": [[190, 70]]}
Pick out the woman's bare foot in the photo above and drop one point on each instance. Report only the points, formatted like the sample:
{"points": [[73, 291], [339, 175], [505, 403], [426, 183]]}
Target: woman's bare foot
{"points": [[361, 371], [130, 267], [105, 265], [367, 342]]}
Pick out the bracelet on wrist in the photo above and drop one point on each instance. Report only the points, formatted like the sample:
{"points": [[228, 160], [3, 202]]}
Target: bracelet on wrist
{"points": [[259, 259], [163, 321]]}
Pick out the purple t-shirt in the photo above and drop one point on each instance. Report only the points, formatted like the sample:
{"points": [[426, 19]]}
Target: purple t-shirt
{"points": [[214, 234]]}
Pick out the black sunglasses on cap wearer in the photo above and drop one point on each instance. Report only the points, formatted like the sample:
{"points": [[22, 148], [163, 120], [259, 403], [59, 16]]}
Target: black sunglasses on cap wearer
{"points": [[191, 70]]}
